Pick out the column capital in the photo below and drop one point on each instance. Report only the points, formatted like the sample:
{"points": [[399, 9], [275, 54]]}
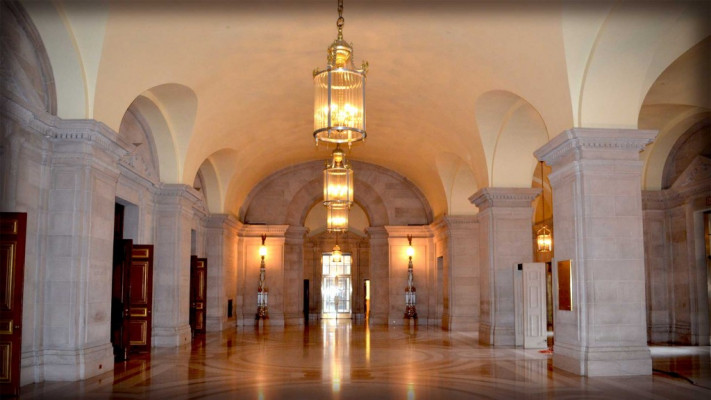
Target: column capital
{"points": [[595, 143], [450, 224], [490, 197]]}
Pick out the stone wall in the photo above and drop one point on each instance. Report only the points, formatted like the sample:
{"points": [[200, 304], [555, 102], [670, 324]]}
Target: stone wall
{"points": [[675, 264]]}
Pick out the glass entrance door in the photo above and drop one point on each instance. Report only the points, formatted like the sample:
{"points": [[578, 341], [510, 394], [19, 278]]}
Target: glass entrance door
{"points": [[336, 289]]}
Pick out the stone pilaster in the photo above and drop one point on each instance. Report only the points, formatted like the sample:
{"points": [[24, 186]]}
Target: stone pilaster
{"points": [[221, 270], [597, 212], [504, 240], [77, 280], [379, 275], [248, 263], [294, 275], [460, 236], [171, 272]]}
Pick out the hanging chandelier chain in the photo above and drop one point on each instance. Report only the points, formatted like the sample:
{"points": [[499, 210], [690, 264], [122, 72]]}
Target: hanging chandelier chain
{"points": [[543, 195], [340, 21]]}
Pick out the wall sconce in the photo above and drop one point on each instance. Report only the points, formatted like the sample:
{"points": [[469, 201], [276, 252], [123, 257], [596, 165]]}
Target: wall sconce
{"points": [[410, 291], [262, 291]]}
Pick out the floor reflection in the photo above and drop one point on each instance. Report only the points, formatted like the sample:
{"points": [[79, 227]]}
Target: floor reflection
{"points": [[340, 360]]}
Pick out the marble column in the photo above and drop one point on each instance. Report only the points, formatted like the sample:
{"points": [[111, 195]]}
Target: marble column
{"points": [[461, 267], [171, 271], [597, 213], [379, 275], [294, 275], [77, 280], [221, 270], [505, 219]]}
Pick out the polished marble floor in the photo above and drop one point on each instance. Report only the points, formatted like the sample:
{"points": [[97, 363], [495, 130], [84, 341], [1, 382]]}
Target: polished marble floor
{"points": [[351, 361]]}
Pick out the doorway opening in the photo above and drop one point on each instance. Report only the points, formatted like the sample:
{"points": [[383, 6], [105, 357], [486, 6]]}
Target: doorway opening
{"points": [[131, 286], [336, 288]]}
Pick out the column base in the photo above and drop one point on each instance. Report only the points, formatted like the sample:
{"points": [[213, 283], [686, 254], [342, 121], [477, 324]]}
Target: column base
{"points": [[171, 337], [75, 365], [607, 361], [496, 335], [216, 324], [461, 323]]}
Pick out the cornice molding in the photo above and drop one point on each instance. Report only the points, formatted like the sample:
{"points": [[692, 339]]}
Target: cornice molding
{"points": [[222, 221], [274, 231], [504, 197], [579, 143], [400, 231]]}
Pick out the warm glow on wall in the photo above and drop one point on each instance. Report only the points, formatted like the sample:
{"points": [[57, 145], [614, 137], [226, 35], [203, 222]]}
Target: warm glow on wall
{"points": [[263, 247]]}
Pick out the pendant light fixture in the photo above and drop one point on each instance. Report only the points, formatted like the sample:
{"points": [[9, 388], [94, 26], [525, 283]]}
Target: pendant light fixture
{"points": [[336, 254], [338, 180], [544, 239], [339, 93], [337, 217]]}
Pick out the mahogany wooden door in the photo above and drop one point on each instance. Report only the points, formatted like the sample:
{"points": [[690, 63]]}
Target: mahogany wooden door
{"points": [[198, 293], [140, 298], [119, 299], [13, 227], [119, 280]]}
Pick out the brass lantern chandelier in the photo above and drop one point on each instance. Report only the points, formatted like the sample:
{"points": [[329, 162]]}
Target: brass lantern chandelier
{"points": [[338, 180], [544, 240], [339, 93], [337, 217]]}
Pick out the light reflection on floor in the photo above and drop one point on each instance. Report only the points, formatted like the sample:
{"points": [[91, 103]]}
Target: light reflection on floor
{"points": [[340, 360]]}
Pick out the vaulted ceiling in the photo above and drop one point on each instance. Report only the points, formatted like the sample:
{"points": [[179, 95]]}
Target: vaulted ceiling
{"points": [[459, 94]]}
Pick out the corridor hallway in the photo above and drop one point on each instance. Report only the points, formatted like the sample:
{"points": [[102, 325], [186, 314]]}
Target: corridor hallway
{"points": [[337, 359]]}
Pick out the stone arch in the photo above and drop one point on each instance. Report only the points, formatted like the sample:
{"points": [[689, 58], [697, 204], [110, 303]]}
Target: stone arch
{"points": [[678, 100], [26, 74], [607, 93], [315, 220], [459, 183], [695, 142], [169, 111], [286, 196], [511, 130], [135, 132], [74, 46], [312, 193], [211, 186]]}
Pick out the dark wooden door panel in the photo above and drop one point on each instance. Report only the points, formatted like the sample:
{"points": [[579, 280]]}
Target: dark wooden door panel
{"points": [[13, 228], [140, 297], [198, 293]]}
